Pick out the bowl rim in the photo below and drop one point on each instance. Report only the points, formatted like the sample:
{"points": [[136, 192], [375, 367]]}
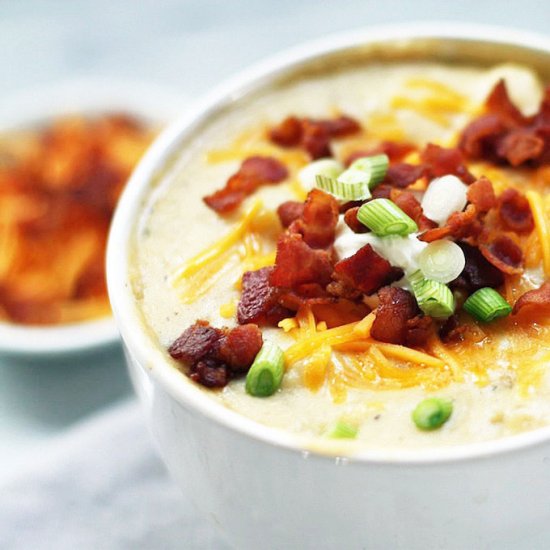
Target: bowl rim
{"points": [[36, 106], [141, 344]]}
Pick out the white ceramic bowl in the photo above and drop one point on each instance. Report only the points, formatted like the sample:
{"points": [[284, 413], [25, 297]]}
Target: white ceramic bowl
{"points": [[36, 107], [267, 488]]}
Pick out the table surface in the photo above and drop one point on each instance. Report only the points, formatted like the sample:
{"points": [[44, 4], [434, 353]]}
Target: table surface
{"points": [[187, 45]]}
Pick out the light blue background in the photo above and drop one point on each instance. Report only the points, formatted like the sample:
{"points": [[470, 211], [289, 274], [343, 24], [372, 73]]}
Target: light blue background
{"points": [[189, 45]]}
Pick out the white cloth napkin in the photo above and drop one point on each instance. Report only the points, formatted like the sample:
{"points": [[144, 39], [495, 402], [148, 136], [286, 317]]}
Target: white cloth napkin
{"points": [[100, 486]]}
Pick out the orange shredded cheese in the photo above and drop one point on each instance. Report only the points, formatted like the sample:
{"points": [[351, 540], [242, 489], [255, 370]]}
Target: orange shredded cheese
{"points": [[315, 368], [539, 214]]}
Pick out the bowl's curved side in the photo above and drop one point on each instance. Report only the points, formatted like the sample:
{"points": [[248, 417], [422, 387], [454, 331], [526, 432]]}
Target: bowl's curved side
{"points": [[451, 38]]}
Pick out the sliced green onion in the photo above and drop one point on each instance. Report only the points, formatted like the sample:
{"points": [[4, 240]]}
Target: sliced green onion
{"points": [[432, 413], [434, 298], [351, 185], [266, 373], [442, 261], [375, 167], [486, 304], [328, 167], [343, 430], [383, 217]]}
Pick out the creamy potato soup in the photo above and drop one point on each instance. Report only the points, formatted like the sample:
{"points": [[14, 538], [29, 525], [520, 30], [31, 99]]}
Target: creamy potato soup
{"points": [[381, 236]]}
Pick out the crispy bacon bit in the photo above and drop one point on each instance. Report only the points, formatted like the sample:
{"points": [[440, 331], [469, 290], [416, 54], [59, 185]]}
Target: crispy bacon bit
{"points": [[477, 272], [316, 139], [350, 217], [341, 126], [395, 309], [195, 343], [210, 373], [451, 331], [342, 289], [313, 135], [478, 139], [538, 298], [318, 222], [366, 271], [499, 102], [519, 146], [395, 151], [290, 211], [503, 134], [288, 133], [213, 356], [482, 195], [419, 329], [402, 174], [297, 263], [253, 172], [440, 162], [259, 299], [382, 191], [310, 294], [504, 254], [515, 212], [460, 225], [410, 205], [239, 347]]}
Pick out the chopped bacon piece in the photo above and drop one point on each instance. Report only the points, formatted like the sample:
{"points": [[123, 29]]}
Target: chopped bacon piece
{"points": [[403, 174], [538, 298], [482, 195], [515, 212], [395, 151], [419, 329], [253, 172], [396, 307], [196, 342], [316, 139], [451, 331], [504, 254], [288, 133], [290, 211], [311, 134], [499, 102], [210, 373], [310, 294], [460, 225], [440, 162], [366, 271], [297, 263], [341, 126], [505, 135], [213, 356], [239, 347], [519, 146], [382, 191], [410, 205], [342, 289], [259, 299], [317, 224], [477, 272], [478, 139], [350, 217], [344, 207]]}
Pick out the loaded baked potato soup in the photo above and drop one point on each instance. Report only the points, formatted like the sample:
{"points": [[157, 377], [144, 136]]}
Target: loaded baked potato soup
{"points": [[362, 255]]}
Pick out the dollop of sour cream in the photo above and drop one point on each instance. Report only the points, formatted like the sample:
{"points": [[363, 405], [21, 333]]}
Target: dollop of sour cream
{"points": [[401, 252]]}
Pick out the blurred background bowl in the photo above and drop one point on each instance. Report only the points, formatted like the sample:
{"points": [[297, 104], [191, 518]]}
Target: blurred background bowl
{"points": [[34, 109]]}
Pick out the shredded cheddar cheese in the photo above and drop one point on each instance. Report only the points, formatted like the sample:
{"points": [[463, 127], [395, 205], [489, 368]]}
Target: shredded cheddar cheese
{"points": [[539, 214]]}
